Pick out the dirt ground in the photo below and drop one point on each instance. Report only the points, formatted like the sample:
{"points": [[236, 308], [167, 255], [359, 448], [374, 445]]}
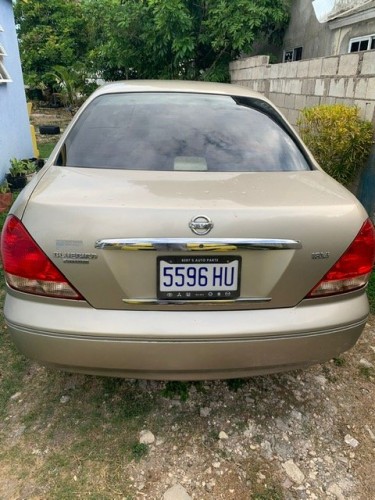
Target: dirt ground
{"points": [[49, 116]]}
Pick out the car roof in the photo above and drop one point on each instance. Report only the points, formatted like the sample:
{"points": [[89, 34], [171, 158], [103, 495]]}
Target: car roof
{"points": [[176, 86]]}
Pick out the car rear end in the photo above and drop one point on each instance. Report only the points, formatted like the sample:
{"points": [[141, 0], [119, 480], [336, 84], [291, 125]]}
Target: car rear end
{"points": [[150, 247]]}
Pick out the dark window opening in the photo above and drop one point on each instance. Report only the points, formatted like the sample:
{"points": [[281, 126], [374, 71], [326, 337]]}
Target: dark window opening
{"points": [[362, 43], [293, 54]]}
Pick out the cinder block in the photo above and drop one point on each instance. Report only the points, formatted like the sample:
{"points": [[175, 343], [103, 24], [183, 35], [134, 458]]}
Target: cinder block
{"points": [[257, 73], [258, 86], [261, 86], [292, 69], [360, 88], [283, 70], [320, 87], [273, 86], [308, 86], [250, 73], [256, 61], [346, 102], [330, 66], [315, 67], [368, 63], [274, 97], [349, 92], [288, 70], [295, 86], [244, 63], [348, 64], [266, 72], [312, 101], [337, 87], [274, 71], [293, 115], [300, 102], [287, 86], [290, 101], [370, 91], [303, 69], [366, 109], [328, 100], [282, 100]]}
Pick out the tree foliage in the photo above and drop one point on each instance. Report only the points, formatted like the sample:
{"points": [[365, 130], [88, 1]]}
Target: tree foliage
{"points": [[50, 32], [117, 39], [188, 39]]}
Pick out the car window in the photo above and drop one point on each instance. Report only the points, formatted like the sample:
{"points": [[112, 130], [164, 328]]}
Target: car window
{"points": [[180, 131]]}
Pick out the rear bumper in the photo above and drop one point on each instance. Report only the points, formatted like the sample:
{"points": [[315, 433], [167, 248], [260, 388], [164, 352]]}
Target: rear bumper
{"points": [[184, 345]]}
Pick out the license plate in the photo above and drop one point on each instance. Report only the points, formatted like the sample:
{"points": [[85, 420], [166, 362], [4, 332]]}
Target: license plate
{"points": [[199, 277]]}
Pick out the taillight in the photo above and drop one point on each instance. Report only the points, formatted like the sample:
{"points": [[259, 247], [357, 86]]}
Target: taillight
{"points": [[354, 267], [27, 268]]}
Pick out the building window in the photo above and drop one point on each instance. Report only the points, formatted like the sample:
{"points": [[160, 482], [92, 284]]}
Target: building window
{"points": [[293, 55], [362, 43], [4, 75]]}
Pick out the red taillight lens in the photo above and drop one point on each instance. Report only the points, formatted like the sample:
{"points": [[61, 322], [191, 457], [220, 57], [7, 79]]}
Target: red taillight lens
{"points": [[27, 268], [354, 267]]}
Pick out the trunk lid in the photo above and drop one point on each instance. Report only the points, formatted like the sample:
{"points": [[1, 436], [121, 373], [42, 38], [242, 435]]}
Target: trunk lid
{"points": [[84, 206]]}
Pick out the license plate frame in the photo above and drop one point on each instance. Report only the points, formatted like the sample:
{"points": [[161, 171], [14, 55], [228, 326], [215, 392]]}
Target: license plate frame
{"points": [[212, 263]]}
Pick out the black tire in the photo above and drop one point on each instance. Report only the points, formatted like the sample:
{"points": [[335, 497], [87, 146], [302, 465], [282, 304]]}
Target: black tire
{"points": [[49, 129]]}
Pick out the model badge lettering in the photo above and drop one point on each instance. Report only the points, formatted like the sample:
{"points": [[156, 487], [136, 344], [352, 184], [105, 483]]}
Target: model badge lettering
{"points": [[74, 256], [320, 255]]}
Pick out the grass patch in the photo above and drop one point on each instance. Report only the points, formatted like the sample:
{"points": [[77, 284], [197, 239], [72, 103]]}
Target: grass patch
{"points": [[175, 388], [236, 383], [371, 292], [366, 372], [46, 149], [268, 494], [139, 450], [339, 361]]}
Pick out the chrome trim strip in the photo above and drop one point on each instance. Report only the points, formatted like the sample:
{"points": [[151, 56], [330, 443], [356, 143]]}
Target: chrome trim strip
{"points": [[155, 302], [197, 245]]}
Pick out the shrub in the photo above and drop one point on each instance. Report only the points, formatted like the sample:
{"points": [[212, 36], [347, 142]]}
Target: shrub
{"points": [[337, 137]]}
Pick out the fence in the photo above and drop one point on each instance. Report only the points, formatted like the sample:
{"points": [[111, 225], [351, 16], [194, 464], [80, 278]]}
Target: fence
{"points": [[347, 79]]}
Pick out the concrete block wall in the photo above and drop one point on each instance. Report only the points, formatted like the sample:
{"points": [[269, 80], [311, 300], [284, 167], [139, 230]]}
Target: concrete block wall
{"points": [[348, 79]]}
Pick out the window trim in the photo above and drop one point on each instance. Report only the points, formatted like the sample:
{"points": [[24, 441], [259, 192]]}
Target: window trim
{"points": [[359, 39], [4, 75], [3, 52]]}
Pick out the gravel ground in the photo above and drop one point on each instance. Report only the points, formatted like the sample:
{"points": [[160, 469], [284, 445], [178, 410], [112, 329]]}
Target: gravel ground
{"points": [[302, 435]]}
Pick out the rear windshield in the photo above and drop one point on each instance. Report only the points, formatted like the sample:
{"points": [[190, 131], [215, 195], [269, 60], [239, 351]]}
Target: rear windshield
{"points": [[179, 131]]}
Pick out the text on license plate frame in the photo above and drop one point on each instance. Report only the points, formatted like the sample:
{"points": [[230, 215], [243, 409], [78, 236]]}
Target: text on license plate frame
{"points": [[198, 277]]}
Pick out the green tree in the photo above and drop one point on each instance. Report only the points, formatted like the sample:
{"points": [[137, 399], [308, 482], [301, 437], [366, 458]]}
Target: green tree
{"points": [[51, 32], [117, 39], [188, 39]]}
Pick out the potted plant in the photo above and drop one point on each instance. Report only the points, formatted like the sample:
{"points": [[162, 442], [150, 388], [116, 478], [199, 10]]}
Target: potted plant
{"points": [[17, 174], [5, 196], [30, 169]]}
